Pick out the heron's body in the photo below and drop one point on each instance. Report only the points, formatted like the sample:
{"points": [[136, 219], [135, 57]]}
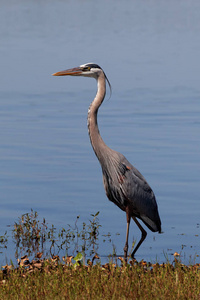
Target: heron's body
{"points": [[124, 184]]}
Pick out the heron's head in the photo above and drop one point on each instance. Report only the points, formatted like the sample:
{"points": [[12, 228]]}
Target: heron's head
{"points": [[86, 70]]}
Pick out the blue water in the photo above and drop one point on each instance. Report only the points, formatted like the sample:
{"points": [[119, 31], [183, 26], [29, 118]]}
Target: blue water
{"points": [[150, 53]]}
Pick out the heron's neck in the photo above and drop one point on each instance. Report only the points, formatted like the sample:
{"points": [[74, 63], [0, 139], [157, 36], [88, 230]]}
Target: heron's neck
{"points": [[96, 140]]}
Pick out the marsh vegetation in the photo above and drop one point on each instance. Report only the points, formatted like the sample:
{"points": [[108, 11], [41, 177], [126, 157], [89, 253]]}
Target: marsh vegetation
{"points": [[42, 273]]}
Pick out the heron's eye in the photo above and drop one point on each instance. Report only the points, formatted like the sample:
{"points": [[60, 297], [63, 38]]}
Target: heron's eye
{"points": [[86, 69]]}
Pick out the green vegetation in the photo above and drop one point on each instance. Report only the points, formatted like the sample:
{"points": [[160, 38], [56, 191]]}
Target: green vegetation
{"points": [[51, 279], [47, 276], [32, 235]]}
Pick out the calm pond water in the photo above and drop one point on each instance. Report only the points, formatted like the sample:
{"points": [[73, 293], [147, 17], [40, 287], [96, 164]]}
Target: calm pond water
{"points": [[150, 53]]}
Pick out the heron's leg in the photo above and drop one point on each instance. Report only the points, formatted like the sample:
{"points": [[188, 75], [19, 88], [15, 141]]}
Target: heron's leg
{"points": [[128, 218], [144, 234]]}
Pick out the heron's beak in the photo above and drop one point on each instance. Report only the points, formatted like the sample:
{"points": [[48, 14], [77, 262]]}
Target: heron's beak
{"points": [[73, 72]]}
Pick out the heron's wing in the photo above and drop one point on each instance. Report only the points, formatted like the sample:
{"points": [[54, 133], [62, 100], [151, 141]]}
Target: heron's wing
{"points": [[141, 197], [125, 185]]}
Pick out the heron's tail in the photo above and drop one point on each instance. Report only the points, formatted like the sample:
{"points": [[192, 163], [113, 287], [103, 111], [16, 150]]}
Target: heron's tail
{"points": [[153, 225]]}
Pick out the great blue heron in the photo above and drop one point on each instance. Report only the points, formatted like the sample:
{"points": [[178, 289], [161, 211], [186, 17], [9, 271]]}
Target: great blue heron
{"points": [[124, 184]]}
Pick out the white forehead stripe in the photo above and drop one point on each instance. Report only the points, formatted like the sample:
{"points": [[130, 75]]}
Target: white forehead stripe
{"points": [[86, 64]]}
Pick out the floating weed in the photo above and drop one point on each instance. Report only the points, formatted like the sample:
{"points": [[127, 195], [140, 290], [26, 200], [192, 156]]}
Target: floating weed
{"points": [[85, 240], [3, 241], [29, 234], [32, 236]]}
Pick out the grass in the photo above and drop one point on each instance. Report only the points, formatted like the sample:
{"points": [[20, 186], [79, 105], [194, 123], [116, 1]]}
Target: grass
{"points": [[55, 280], [47, 276]]}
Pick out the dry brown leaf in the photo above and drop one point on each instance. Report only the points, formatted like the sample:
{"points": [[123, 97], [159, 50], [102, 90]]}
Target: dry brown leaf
{"points": [[37, 265], [39, 254], [7, 267], [55, 258], [68, 260], [121, 259], [24, 261]]}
